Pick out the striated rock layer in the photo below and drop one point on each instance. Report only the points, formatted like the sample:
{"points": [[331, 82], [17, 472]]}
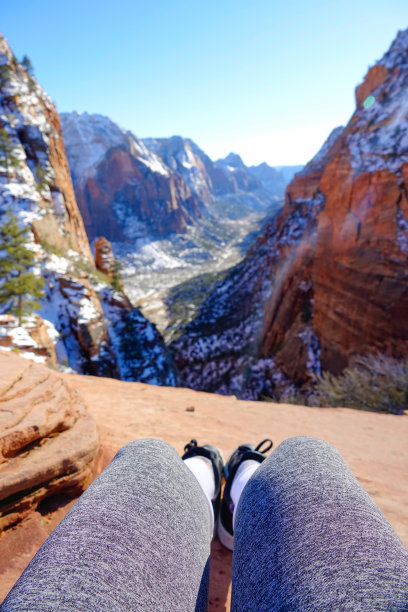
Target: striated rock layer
{"points": [[48, 440], [328, 280]]}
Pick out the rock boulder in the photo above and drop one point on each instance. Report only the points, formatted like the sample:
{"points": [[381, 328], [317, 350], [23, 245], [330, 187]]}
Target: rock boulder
{"points": [[48, 440]]}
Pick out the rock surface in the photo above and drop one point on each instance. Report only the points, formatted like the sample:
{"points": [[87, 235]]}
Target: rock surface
{"points": [[328, 280], [373, 445], [48, 440]]}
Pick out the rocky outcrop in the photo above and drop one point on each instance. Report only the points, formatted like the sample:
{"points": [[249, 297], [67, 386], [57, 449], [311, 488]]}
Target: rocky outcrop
{"points": [[48, 440], [139, 348], [82, 320], [35, 340], [104, 257], [328, 279]]}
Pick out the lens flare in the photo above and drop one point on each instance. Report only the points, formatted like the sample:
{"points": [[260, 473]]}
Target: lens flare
{"points": [[368, 101]]}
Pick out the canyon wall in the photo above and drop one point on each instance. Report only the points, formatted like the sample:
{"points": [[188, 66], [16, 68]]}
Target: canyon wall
{"points": [[328, 279], [89, 324]]}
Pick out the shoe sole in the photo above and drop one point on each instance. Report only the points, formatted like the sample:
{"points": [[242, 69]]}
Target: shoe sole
{"points": [[226, 539]]}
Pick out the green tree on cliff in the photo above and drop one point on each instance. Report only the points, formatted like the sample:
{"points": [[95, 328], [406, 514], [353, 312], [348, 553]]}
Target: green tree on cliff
{"points": [[27, 65], [41, 181], [116, 275], [7, 152], [19, 286]]}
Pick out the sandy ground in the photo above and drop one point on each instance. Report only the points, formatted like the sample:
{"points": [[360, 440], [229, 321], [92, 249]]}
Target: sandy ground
{"points": [[374, 446]]}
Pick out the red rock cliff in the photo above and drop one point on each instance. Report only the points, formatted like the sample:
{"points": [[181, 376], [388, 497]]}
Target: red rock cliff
{"points": [[328, 280], [359, 263]]}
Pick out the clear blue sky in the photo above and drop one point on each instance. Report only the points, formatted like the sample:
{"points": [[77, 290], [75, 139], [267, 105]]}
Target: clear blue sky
{"points": [[264, 78]]}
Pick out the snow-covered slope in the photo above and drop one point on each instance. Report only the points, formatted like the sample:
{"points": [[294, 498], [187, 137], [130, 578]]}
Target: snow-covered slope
{"points": [[36, 187]]}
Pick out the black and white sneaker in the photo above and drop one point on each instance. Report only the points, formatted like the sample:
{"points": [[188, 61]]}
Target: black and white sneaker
{"points": [[217, 461], [242, 453]]}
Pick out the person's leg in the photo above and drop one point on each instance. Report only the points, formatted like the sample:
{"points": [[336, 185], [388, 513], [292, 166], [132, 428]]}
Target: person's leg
{"points": [[308, 537], [137, 539]]}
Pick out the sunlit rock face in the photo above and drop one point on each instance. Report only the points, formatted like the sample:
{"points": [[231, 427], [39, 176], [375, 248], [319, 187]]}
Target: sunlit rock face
{"points": [[38, 185], [123, 188], [329, 279], [84, 323]]}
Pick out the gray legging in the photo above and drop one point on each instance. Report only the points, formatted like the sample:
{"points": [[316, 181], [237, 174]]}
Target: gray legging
{"points": [[307, 537]]}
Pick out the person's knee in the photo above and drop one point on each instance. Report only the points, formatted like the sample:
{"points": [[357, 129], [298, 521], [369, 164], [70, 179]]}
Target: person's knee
{"points": [[304, 444], [292, 462], [151, 447]]}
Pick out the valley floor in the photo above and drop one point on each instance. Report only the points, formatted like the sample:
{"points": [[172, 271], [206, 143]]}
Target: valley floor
{"points": [[153, 267]]}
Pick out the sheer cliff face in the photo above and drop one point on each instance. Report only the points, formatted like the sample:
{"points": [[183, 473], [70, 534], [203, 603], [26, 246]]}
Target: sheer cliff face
{"points": [[94, 329], [39, 181], [329, 279], [123, 189], [360, 265]]}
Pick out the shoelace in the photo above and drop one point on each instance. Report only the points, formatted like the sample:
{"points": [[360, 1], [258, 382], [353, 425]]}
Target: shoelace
{"points": [[191, 444], [268, 443]]}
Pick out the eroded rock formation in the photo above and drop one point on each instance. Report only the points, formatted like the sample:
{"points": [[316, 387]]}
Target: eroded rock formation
{"points": [[30, 119], [104, 258], [34, 341]]}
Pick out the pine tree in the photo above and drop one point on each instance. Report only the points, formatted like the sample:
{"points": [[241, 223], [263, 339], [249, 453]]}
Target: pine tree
{"points": [[41, 181], [7, 152], [5, 74], [116, 275], [20, 286], [27, 65]]}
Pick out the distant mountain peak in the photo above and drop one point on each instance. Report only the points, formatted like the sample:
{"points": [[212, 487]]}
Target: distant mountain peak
{"points": [[233, 160]]}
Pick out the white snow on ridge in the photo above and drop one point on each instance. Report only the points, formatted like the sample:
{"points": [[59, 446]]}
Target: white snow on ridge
{"points": [[88, 137], [398, 52], [147, 157], [380, 140], [322, 153]]}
